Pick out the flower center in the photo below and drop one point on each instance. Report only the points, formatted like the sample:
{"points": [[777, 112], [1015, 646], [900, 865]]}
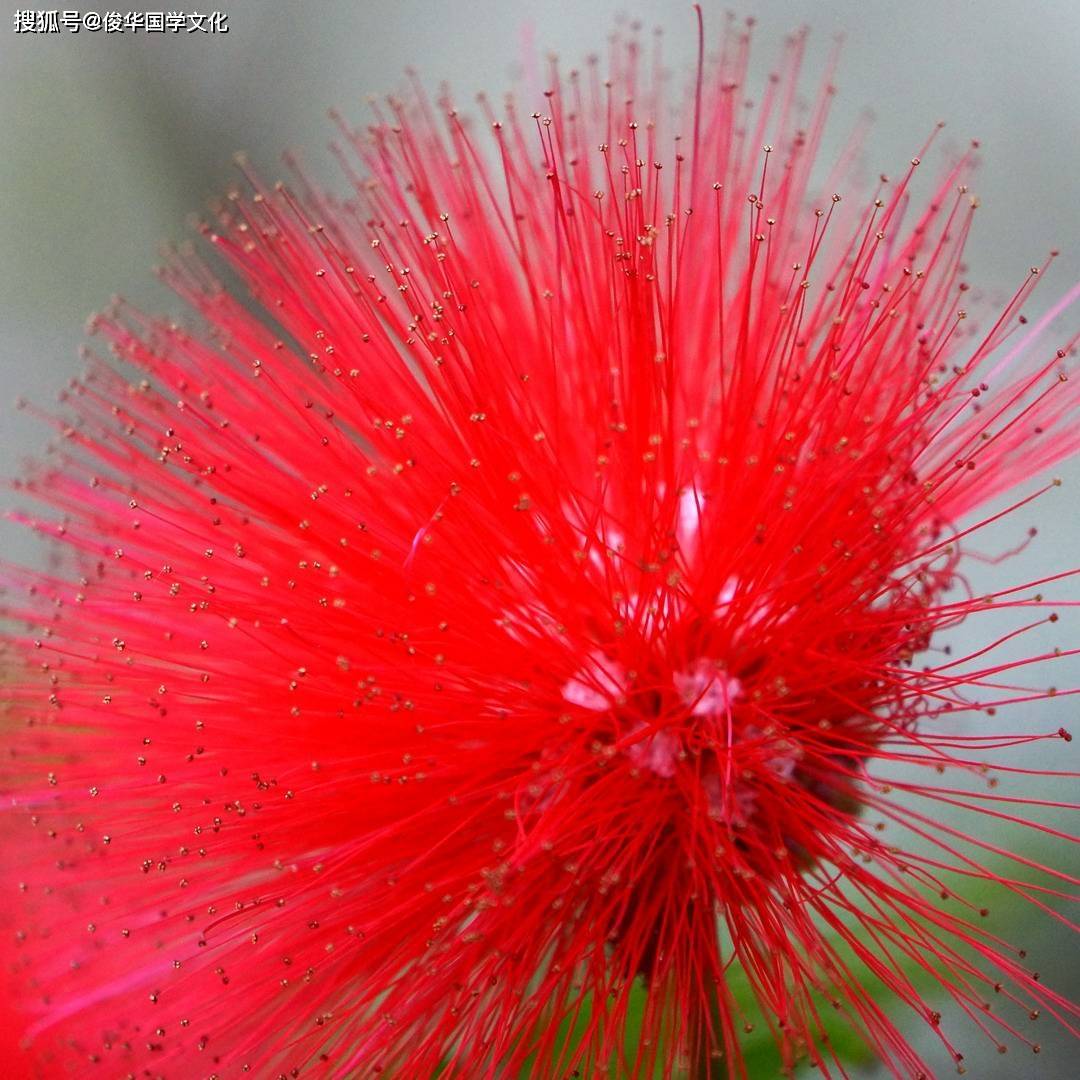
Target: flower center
{"points": [[695, 721]]}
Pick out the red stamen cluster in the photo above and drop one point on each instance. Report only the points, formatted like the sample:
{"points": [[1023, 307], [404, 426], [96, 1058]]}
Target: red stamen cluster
{"points": [[529, 594]]}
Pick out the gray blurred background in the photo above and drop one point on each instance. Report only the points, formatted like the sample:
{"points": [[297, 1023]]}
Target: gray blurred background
{"points": [[110, 142]]}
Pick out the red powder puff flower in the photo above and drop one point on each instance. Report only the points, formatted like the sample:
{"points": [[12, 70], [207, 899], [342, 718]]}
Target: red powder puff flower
{"points": [[528, 598]]}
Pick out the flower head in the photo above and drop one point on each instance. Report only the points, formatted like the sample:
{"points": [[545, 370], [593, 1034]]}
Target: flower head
{"points": [[527, 597]]}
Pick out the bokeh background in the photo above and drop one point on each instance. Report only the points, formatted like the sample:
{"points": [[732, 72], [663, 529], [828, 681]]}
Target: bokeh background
{"points": [[110, 143]]}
